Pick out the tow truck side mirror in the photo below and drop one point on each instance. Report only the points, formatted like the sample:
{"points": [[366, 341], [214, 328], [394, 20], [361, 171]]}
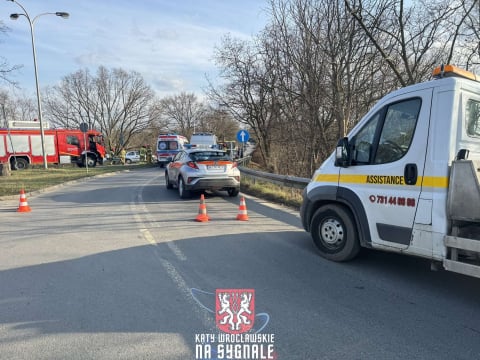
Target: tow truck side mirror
{"points": [[342, 153]]}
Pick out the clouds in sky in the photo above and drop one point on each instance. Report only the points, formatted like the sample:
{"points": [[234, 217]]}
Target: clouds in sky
{"points": [[170, 44]]}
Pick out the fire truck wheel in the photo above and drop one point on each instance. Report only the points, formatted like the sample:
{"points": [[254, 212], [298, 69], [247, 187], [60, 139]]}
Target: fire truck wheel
{"points": [[19, 164], [334, 233], [91, 161]]}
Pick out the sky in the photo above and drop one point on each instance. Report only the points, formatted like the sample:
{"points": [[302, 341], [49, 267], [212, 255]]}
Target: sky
{"points": [[170, 43]]}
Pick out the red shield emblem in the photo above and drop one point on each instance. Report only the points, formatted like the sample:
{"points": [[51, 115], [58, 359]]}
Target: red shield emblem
{"points": [[235, 310]]}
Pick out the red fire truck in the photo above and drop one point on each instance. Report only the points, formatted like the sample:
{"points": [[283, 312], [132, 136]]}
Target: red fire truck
{"points": [[23, 147]]}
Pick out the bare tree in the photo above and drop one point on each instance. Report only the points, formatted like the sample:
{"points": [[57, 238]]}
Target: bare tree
{"points": [[465, 37], [3, 108], [118, 103], [221, 123], [301, 83], [6, 70], [322, 60], [16, 108], [247, 91], [183, 114], [413, 39]]}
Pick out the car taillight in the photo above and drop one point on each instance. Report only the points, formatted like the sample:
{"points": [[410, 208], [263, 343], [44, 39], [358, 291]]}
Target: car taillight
{"points": [[192, 165]]}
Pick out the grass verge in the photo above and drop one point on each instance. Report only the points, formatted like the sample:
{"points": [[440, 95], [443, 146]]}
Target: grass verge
{"points": [[37, 179], [277, 194]]}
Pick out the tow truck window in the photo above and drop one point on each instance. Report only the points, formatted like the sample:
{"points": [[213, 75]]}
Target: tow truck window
{"points": [[362, 143], [397, 132], [388, 134], [473, 118]]}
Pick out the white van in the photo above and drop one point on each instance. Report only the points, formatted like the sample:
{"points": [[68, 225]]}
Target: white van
{"points": [[406, 179], [203, 140]]}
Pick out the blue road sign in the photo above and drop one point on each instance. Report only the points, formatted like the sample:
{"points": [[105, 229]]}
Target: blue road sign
{"points": [[243, 136]]}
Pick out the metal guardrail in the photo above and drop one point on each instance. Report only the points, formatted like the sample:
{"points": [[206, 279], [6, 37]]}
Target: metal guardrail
{"points": [[282, 180]]}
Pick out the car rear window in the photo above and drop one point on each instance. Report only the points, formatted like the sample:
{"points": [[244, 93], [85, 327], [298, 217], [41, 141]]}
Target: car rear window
{"points": [[209, 155]]}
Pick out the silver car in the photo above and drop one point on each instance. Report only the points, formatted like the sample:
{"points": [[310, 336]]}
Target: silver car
{"points": [[132, 157], [202, 169]]}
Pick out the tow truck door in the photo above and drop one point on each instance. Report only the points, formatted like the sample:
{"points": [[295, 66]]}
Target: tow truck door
{"points": [[388, 159]]}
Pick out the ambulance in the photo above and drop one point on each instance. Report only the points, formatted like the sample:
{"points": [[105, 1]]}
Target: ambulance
{"points": [[168, 145], [406, 178]]}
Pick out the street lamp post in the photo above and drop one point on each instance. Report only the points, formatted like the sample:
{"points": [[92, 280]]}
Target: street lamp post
{"points": [[31, 21]]}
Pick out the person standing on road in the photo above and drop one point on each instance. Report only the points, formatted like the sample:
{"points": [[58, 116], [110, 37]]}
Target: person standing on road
{"points": [[149, 154], [143, 153], [122, 156]]}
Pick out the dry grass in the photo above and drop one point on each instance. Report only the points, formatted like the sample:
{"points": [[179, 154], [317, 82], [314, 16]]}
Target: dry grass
{"points": [[278, 194]]}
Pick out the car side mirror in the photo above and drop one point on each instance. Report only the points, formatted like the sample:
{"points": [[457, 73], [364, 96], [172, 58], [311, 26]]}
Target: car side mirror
{"points": [[342, 153]]}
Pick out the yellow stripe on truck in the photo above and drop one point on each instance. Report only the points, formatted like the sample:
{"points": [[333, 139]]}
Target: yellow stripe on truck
{"points": [[435, 181], [428, 181], [326, 178]]}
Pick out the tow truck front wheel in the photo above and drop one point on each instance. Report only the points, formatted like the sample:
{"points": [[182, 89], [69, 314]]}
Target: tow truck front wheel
{"points": [[334, 233]]}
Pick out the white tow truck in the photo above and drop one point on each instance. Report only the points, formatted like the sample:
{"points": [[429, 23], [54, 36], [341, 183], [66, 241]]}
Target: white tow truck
{"points": [[406, 178]]}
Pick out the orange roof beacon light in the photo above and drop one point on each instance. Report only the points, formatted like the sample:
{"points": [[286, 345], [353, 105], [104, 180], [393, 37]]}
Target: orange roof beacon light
{"points": [[451, 70]]}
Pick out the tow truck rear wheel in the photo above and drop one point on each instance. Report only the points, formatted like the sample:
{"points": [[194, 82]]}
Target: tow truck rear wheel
{"points": [[334, 233]]}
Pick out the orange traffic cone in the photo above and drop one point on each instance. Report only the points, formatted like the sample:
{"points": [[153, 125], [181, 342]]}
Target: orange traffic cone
{"points": [[242, 210], [23, 203], [202, 211]]}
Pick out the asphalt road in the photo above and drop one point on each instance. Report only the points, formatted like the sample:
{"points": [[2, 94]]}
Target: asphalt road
{"points": [[115, 267]]}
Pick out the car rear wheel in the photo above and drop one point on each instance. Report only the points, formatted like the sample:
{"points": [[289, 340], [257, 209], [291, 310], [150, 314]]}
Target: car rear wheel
{"points": [[168, 184], [334, 233], [182, 192], [233, 192]]}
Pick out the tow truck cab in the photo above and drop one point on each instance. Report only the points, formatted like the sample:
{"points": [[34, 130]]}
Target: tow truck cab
{"points": [[398, 180]]}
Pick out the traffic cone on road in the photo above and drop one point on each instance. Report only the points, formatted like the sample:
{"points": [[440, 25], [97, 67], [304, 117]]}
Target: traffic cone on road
{"points": [[23, 207], [242, 210], [202, 211]]}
